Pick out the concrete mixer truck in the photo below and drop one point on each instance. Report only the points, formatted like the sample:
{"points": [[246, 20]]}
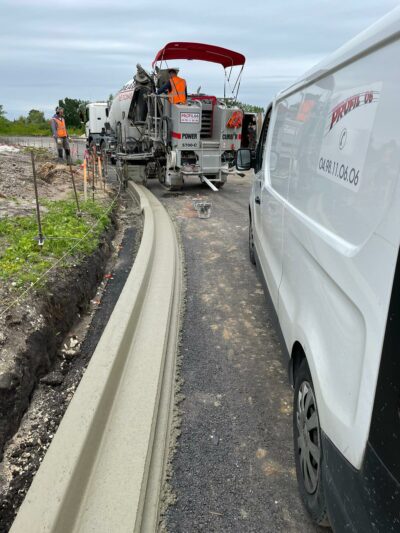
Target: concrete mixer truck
{"points": [[155, 138]]}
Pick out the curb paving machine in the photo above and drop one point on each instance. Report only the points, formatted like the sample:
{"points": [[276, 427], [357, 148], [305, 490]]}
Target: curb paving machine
{"points": [[155, 138]]}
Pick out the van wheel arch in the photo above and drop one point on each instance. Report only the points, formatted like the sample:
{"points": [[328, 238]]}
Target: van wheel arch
{"points": [[297, 356]]}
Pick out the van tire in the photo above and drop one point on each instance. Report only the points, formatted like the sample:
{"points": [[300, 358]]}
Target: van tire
{"points": [[307, 433], [252, 254]]}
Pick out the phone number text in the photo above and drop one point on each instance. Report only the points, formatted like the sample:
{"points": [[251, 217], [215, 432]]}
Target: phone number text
{"points": [[346, 173]]}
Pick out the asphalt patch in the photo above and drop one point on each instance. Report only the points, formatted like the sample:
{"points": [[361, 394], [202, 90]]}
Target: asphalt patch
{"points": [[233, 470]]}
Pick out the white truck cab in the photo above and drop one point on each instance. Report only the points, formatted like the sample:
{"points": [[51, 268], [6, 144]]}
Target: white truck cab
{"points": [[325, 234], [95, 126]]}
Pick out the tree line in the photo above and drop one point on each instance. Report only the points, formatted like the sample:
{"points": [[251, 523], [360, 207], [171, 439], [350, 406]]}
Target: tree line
{"points": [[35, 122]]}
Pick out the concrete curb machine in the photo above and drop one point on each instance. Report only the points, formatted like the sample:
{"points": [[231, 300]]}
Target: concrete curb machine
{"points": [[154, 138]]}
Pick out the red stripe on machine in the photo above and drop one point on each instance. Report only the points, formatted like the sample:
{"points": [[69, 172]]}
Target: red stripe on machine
{"points": [[176, 135]]}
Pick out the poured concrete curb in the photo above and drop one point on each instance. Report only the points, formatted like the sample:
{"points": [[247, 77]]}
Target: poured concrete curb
{"points": [[104, 469]]}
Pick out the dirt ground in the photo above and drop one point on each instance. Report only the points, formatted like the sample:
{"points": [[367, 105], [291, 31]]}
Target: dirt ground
{"points": [[17, 195], [48, 337]]}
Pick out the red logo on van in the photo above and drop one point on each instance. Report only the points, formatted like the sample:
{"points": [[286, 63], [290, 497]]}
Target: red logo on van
{"points": [[348, 105]]}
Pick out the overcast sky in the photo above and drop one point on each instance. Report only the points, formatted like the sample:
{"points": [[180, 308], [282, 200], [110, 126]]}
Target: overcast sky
{"points": [[88, 49]]}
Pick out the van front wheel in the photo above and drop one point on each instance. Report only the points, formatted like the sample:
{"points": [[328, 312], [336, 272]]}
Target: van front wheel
{"points": [[307, 446]]}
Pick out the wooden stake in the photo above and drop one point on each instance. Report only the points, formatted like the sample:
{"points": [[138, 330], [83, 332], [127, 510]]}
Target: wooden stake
{"points": [[79, 212], [85, 179], [40, 237]]}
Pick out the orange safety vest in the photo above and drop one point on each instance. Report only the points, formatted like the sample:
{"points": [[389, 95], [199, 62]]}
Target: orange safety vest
{"points": [[61, 129], [177, 94]]}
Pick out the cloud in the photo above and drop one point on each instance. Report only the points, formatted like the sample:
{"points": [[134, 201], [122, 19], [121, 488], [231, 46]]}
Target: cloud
{"points": [[50, 49]]}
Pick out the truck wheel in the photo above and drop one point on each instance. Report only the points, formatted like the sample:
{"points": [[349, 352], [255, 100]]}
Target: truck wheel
{"points": [[161, 174], [252, 255], [308, 446]]}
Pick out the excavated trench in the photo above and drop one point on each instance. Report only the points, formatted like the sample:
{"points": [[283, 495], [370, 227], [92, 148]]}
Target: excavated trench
{"points": [[46, 343]]}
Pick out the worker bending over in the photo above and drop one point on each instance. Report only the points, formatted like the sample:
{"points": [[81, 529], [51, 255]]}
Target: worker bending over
{"points": [[60, 134], [175, 87]]}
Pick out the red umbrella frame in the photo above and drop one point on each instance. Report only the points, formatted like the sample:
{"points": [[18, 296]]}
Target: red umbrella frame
{"points": [[204, 52]]}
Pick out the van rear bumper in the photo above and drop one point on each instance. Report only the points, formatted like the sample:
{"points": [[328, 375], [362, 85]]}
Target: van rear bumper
{"points": [[366, 500]]}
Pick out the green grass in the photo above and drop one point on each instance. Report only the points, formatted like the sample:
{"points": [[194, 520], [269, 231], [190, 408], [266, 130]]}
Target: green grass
{"points": [[22, 261], [8, 128]]}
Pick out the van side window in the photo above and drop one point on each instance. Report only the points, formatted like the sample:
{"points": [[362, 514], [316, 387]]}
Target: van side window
{"points": [[261, 143]]}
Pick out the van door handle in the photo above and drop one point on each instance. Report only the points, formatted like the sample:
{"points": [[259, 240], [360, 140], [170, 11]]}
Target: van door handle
{"points": [[257, 200]]}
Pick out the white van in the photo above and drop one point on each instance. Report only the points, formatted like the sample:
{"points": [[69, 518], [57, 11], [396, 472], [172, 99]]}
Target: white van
{"points": [[325, 234]]}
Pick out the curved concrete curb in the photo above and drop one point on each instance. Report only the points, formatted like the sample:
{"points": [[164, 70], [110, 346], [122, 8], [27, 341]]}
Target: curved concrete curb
{"points": [[104, 469]]}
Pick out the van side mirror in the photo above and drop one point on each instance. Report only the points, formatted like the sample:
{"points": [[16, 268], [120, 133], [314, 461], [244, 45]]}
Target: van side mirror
{"points": [[244, 159], [107, 111]]}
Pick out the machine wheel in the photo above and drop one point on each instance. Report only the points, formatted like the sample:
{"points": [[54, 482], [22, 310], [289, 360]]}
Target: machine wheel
{"points": [[161, 174], [308, 446], [252, 254], [173, 187], [152, 170]]}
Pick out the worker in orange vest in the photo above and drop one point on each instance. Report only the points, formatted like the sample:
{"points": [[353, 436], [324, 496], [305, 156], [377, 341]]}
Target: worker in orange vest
{"points": [[175, 87], [60, 134]]}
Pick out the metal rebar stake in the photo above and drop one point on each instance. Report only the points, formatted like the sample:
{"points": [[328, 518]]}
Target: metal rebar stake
{"points": [[40, 237], [93, 171], [79, 212]]}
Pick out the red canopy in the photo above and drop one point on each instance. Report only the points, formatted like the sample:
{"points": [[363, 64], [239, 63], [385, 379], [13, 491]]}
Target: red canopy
{"points": [[203, 52]]}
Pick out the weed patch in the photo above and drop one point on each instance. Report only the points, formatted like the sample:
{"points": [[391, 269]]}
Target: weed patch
{"points": [[22, 261]]}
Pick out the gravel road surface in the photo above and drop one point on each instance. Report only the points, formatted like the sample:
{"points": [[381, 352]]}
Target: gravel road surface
{"points": [[234, 469]]}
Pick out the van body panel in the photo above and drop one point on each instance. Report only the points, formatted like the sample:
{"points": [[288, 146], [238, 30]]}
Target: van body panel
{"points": [[327, 230], [329, 317], [271, 189], [270, 237], [367, 499]]}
